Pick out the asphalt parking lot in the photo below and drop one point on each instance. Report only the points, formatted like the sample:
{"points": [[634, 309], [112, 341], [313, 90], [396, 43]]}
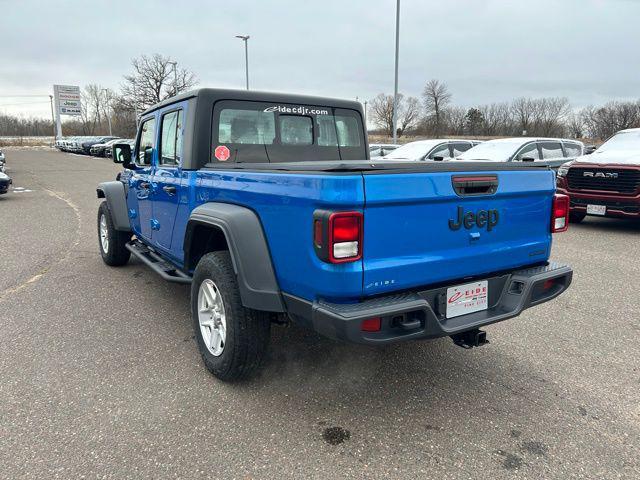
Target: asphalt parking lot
{"points": [[100, 374]]}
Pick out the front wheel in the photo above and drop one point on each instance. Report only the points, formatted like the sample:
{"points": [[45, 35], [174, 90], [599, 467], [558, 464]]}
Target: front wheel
{"points": [[111, 241], [232, 339]]}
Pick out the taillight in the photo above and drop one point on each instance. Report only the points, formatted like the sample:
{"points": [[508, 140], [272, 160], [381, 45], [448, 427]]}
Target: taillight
{"points": [[337, 236], [560, 213]]}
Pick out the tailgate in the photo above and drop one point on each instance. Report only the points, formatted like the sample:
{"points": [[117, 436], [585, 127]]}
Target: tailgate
{"points": [[413, 236]]}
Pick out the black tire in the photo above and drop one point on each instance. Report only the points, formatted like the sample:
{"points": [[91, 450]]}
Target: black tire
{"points": [[576, 217], [116, 253], [247, 331]]}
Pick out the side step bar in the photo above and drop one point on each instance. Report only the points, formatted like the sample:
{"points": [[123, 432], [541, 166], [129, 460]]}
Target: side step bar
{"points": [[166, 270]]}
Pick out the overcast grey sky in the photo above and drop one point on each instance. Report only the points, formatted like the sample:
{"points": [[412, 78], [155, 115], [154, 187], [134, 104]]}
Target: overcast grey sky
{"points": [[486, 51]]}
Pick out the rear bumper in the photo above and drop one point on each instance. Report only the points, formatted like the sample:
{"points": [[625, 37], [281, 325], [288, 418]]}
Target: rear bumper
{"points": [[617, 205], [421, 314]]}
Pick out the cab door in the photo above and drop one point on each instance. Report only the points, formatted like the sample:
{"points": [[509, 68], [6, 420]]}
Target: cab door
{"points": [[167, 178], [139, 200]]}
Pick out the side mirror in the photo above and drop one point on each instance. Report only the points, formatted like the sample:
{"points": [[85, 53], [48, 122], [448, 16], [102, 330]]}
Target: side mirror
{"points": [[528, 159], [121, 153]]}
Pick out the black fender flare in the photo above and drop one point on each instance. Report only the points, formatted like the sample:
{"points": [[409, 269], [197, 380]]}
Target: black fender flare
{"points": [[248, 248], [114, 194]]}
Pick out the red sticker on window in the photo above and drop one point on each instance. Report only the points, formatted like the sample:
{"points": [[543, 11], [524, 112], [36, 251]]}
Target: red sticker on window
{"points": [[222, 153]]}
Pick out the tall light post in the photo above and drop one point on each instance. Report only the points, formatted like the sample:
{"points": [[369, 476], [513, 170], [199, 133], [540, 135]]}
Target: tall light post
{"points": [[53, 118], [106, 111], [175, 77], [395, 87], [245, 39], [135, 101]]}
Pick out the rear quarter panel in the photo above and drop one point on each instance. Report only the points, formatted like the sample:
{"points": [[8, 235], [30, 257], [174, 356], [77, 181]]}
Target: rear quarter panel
{"points": [[285, 203]]}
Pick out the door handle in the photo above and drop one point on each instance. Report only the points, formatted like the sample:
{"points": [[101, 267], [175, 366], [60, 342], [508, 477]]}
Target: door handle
{"points": [[171, 190]]}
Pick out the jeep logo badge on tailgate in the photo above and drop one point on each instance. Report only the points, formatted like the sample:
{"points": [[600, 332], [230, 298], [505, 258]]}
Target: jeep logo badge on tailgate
{"points": [[483, 218]]}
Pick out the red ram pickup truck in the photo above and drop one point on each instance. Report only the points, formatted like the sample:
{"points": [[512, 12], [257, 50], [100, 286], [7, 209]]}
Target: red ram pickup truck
{"points": [[607, 182]]}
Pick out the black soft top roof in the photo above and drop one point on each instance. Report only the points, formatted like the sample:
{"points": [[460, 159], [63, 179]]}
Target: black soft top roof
{"points": [[211, 95]]}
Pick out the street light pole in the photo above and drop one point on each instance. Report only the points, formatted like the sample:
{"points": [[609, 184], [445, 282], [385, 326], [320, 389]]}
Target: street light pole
{"points": [[245, 39], [395, 87], [106, 111], [53, 118], [175, 77], [365, 114]]}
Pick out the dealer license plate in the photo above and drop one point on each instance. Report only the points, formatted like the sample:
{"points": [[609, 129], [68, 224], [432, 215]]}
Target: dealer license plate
{"points": [[467, 298], [596, 209]]}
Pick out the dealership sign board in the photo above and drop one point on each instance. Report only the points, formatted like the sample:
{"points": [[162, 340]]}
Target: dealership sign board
{"points": [[67, 99]]}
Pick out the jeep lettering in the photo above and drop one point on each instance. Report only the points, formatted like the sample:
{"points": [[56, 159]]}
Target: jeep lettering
{"points": [[488, 218]]}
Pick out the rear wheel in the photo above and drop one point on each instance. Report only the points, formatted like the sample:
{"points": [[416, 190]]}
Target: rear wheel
{"points": [[576, 217], [111, 241], [232, 339]]}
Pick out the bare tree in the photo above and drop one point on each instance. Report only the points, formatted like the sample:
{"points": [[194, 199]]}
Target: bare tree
{"points": [[455, 119], [604, 121], [154, 80], [381, 112], [523, 110], [496, 118], [436, 97]]}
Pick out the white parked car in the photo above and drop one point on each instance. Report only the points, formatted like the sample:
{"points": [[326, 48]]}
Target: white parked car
{"points": [[381, 149], [437, 149], [549, 151]]}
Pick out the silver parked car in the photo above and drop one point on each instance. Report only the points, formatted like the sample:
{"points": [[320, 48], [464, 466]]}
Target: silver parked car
{"points": [[437, 149], [381, 149], [548, 151]]}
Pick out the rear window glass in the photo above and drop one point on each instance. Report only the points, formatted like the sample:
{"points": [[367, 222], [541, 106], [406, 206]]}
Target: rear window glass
{"points": [[247, 127], [246, 131], [551, 150], [296, 130], [573, 149]]}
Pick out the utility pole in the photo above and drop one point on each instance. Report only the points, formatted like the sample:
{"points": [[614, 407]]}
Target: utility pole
{"points": [[175, 77], [57, 109], [245, 39], [106, 112], [135, 102], [53, 118], [365, 114], [395, 87]]}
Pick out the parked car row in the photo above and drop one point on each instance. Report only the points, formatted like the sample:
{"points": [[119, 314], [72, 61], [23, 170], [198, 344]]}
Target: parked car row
{"points": [[602, 181], [550, 151], [96, 146]]}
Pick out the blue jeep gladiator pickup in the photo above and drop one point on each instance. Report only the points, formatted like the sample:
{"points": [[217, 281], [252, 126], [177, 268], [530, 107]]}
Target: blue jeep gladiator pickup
{"points": [[269, 206]]}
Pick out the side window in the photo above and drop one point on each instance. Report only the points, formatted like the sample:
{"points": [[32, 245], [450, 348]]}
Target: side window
{"points": [[348, 131], [146, 142], [460, 147], [338, 131], [551, 150], [252, 127], [296, 130], [528, 151], [572, 149], [171, 139], [440, 151]]}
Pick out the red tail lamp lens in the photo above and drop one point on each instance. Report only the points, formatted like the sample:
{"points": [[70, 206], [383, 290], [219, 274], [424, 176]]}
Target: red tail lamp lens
{"points": [[560, 214]]}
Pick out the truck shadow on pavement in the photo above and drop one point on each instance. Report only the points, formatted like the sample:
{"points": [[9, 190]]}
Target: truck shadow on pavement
{"points": [[608, 225]]}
